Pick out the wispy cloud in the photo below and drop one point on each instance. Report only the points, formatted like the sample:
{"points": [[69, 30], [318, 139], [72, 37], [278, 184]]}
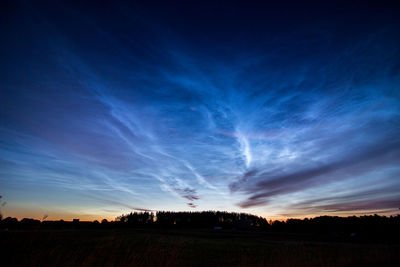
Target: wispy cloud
{"points": [[146, 117]]}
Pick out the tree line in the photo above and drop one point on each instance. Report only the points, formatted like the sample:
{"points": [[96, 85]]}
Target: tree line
{"points": [[204, 219], [218, 220]]}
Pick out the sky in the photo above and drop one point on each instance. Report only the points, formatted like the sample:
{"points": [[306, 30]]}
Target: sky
{"points": [[279, 110]]}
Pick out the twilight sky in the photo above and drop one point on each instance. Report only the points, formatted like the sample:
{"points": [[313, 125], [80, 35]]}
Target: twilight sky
{"points": [[282, 111]]}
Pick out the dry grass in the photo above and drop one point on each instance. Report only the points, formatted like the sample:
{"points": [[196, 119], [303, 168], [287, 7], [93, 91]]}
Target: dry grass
{"points": [[164, 248]]}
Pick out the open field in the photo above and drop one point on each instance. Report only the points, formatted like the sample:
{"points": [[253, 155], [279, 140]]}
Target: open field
{"points": [[152, 247]]}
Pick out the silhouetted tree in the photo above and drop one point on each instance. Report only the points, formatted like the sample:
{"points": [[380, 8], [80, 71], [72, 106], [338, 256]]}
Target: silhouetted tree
{"points": [[205, 219], [29, 223], [1, 215], [9, 223]]}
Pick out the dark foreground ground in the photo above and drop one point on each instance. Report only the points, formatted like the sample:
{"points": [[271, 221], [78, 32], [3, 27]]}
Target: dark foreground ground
{"points": [[155, 247]]}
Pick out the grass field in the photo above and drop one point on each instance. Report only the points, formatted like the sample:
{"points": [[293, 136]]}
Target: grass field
{"points": [[129, 247]]}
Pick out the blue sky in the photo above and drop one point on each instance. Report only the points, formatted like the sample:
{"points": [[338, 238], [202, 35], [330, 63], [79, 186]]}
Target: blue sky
{"points": [[285, 110]]}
